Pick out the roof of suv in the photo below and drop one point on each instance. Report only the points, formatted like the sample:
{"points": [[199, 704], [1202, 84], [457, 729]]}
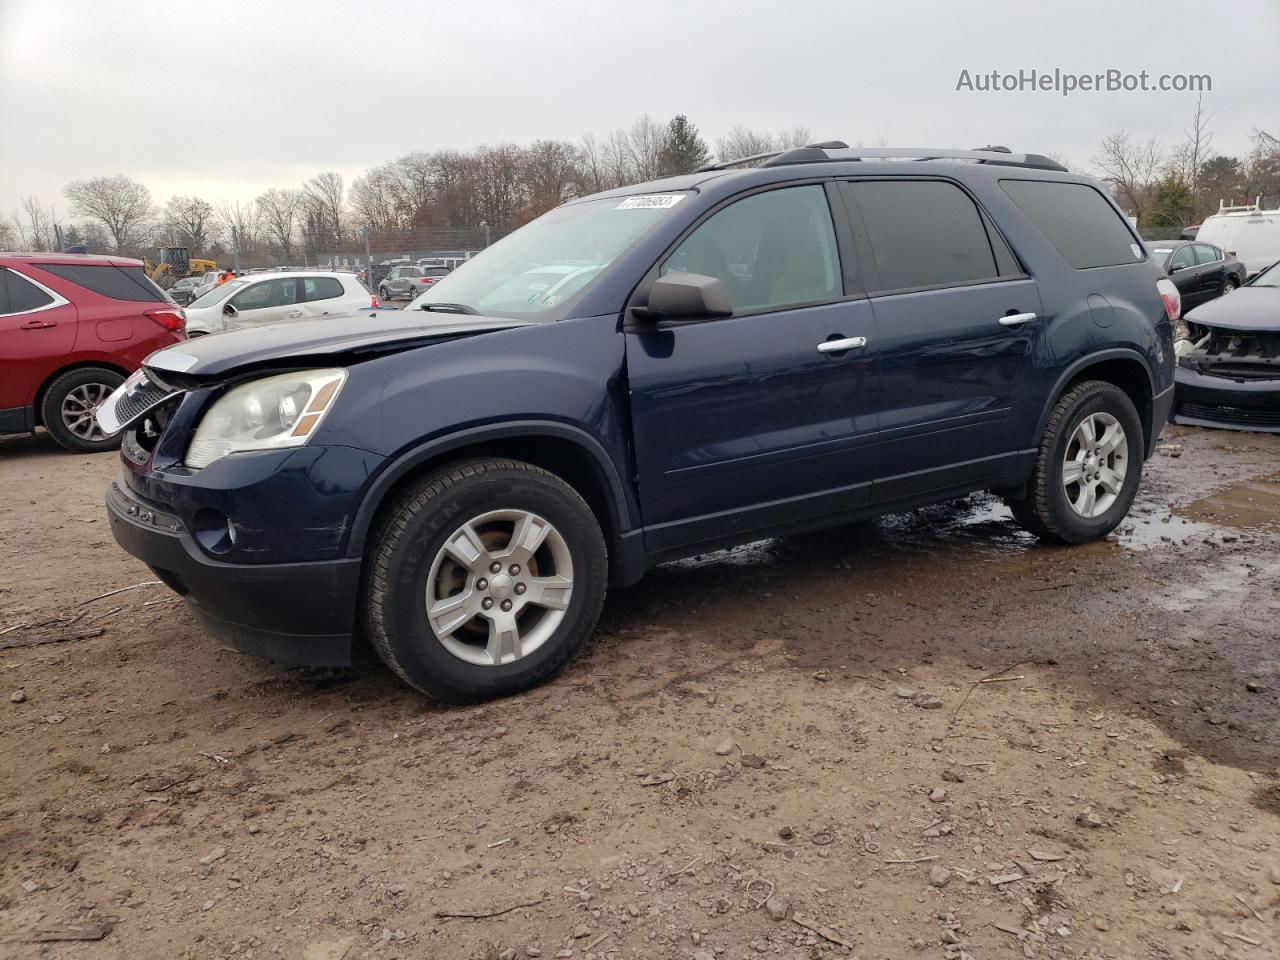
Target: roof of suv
{"points": [[89, 259], [834, 159]]}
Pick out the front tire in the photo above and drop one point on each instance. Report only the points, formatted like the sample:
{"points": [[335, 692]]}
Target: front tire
{"points": [[68, 405], [382, 294], [1087, 468], [486, 577]]}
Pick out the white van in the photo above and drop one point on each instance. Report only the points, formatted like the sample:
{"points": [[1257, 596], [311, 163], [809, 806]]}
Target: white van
{"points": [[1250, 233]]}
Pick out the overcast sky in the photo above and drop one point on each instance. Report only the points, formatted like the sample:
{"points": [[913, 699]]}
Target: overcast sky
{"points": [[228, 98]]}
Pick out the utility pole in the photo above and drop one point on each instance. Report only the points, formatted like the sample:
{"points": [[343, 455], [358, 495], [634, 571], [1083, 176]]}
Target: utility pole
{"points": [[368, 259], [57, 237], [235, 249]]}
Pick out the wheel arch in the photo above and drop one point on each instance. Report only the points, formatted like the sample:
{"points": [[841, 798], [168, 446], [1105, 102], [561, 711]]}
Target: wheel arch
{"points": [[38, 403], [1126, 369], [569, 452]]}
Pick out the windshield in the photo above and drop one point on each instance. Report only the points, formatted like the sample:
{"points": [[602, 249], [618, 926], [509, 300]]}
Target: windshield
{"points": [[544, 265], [1269, 277], [217, 294]]}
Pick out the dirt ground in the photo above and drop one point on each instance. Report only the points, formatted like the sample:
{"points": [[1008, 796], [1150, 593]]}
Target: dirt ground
{"points": [[783, 750]]}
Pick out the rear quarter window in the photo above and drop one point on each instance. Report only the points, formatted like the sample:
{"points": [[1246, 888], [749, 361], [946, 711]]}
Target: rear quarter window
{"points": [[118, 283], [1077, 220]]}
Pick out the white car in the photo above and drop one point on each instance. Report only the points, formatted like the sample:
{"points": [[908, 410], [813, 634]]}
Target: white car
{"points": [[269, 297]]}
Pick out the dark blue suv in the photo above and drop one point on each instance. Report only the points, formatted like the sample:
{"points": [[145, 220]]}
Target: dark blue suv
{"points": [[645, 374]]}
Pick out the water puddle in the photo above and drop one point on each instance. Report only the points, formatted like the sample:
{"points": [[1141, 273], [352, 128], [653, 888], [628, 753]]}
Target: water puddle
{"points": [[1253, 504]]}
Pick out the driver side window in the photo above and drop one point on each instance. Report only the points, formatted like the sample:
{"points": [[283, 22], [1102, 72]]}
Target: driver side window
{"points": [[771, 250]]}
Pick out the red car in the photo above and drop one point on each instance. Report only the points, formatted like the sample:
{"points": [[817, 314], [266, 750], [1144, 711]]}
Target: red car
{"points": [[72, 327]]}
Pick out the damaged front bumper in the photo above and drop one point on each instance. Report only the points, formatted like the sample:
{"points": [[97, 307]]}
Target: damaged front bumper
{"points": [[1229, 380]]}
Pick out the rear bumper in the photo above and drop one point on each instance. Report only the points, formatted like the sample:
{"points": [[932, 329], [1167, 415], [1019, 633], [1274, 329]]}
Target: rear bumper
{"points": [[297, 613], [1206, 401]]}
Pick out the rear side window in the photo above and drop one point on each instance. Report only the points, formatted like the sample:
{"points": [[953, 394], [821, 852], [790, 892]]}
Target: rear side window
{"points": [[18, 295], [1207, 254], [923, 233], [118, 283], [1077, 220], [321, 288]]}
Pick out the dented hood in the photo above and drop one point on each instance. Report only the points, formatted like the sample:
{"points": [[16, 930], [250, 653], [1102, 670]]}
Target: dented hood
{"points": [[323, 338]]}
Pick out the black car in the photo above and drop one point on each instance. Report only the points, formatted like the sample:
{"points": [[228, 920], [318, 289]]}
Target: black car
{"points": [[646, 374], [1200, 271], [182, 290], [1229, 362]]}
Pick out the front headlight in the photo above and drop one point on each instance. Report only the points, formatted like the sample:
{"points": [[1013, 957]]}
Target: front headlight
{"points": [[266, 414]]}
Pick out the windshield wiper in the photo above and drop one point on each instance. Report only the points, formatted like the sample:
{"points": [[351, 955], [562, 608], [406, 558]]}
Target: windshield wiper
{"points": [[450, 308]]}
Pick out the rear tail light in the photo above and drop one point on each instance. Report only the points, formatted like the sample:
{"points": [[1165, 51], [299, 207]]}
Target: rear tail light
{"points": [[1172, 299], [373, 302], [1231, 253], [428, 279], [172, 320]]}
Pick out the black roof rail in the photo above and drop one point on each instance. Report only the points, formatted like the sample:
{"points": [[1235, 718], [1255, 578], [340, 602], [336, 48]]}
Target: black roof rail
{"points": [[834, 150], [771, 157]]}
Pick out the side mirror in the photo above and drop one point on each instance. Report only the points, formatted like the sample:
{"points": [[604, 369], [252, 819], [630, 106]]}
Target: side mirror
{"points": [[229, 311], [686, 296]]}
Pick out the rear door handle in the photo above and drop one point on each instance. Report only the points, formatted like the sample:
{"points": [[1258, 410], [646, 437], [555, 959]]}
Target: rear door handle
{"points": [[839, 346], [39, 324], [1017, 319], [294, 314]]}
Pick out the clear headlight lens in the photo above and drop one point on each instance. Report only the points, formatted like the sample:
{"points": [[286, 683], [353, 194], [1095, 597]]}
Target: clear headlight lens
{"points": [[266, 414]]}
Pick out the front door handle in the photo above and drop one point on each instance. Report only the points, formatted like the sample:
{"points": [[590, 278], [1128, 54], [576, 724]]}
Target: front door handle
{"points": [[39, 324], [840, 346], [1017, 319]]}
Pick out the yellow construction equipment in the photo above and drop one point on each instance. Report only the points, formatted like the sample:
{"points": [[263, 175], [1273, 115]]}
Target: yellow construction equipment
{"points": [[176, 263]]}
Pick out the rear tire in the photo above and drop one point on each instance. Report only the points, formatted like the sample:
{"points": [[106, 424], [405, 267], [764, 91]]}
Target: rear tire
{"points": [[490, 633], [67, 409], [1076, 494], [1229, 284]]}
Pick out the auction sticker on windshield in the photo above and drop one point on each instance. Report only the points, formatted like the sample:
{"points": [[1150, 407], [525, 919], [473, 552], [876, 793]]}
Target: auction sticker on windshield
{"points": [[652, 201]]}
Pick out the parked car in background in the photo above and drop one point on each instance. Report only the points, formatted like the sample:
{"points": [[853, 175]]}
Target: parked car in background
{"points": [[269, 297], [72, 327], [405, 283], [206, 282], [1229, 359], [1249, 233], [183, 291], [720, 357], [1200, 271]]}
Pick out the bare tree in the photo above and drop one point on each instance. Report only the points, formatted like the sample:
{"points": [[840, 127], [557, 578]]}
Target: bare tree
{"points": [[647, 142], [593, 164], [553, 173], [35, 225], [498, 185], [8, 234], [1131, 166], [742, 141], [240, 222], [1187, 159], [324, 195], [278, 218], [190, 220], [121, 205], [792, 137]]}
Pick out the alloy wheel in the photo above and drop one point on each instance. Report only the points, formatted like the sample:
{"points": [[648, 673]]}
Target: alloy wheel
{"points": [[499, 587], [1095, 464], [77, 410]]}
